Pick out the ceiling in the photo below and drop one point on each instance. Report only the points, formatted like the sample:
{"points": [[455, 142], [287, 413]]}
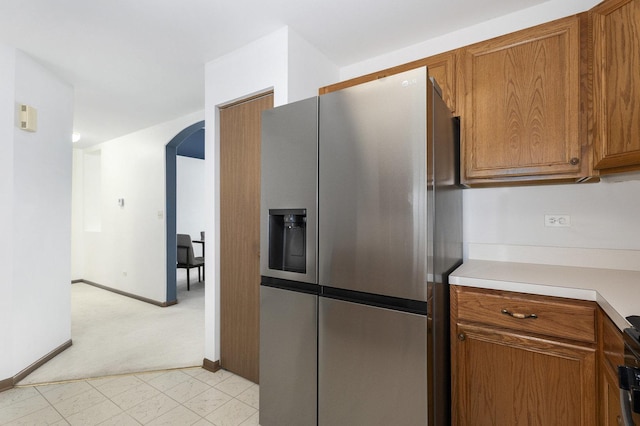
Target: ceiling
{"points": [[137, 63]]}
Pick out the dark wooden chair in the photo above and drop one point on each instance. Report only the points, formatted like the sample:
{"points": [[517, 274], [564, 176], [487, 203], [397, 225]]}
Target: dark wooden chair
{"points": [[186, 258]]}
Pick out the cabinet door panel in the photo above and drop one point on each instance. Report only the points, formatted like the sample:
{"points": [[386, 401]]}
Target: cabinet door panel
{"points": [[522, 98], [616, 29], [610, 400], [507, 379], [611, 344]]}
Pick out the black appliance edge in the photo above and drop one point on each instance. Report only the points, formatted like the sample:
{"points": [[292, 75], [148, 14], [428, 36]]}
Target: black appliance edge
{"points": [[377, 300], [282, 284]]}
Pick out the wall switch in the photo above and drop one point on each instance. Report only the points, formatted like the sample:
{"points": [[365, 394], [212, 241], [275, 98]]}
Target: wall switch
{"points": [[557, 220]]}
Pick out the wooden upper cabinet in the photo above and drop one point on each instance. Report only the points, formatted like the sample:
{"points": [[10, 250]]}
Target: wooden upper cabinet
{"points": [[616, 83], [442, 67], [520, 98]]}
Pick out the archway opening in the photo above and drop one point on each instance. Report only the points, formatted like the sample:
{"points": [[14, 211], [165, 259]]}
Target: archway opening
{"points": [[179, 143]]}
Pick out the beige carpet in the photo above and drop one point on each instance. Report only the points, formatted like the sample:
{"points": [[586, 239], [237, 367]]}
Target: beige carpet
{"points": [[114, 334]]}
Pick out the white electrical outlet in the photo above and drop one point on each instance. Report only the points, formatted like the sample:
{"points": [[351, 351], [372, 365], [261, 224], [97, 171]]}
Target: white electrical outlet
{"points": [[557, 220]]}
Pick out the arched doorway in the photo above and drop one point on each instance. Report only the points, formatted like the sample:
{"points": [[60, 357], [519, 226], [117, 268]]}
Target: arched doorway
{"points": [[171, 152]]}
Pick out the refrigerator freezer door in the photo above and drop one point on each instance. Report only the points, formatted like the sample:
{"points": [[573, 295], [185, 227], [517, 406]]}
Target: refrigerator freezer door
{"points": [[289, 184], [372, 187], [288, 357], [372, 366]]}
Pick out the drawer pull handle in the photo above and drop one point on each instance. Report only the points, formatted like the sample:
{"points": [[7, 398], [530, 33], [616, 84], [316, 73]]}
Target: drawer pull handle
{"points": [[519, 316]]}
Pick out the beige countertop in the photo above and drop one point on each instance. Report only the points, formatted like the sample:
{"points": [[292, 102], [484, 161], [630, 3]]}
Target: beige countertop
{"points": [[616, 291]]}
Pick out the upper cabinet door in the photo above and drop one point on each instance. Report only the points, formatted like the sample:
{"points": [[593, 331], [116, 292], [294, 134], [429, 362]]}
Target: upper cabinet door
{"points": [[520, 105], [442, 68], [616, 82]]}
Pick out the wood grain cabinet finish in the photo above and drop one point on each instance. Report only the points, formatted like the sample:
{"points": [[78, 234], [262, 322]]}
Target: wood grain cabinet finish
{"points": [[552, 317], [502, 375], [611, 351], [521, 96], [616, 84]]}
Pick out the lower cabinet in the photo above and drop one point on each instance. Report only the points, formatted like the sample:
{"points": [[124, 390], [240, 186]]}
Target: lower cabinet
{"points": [[610, 400], [516, 360], [611, 346]]}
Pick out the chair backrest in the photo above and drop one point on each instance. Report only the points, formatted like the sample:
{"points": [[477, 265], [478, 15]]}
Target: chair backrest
{"points": [[185, 249]]}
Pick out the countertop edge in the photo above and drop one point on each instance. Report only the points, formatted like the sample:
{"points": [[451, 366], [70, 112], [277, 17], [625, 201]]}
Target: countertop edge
{"points": [[549, 280]]}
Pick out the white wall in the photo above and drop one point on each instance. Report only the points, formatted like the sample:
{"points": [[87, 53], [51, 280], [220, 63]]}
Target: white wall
{"points": [[92, 191], [38, 211], [77, 217], [86, 205], [128, 250], [190, 198], [294, 70], [604, 215], [7, 108], [308, 69]]}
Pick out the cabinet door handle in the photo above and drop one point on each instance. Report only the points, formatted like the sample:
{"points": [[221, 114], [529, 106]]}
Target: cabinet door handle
{"points": [[574, 161], [461, 337], [518, 315]]}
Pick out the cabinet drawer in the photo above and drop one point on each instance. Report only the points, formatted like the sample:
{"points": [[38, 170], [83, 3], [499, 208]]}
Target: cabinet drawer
{"points": [[549, 316]]}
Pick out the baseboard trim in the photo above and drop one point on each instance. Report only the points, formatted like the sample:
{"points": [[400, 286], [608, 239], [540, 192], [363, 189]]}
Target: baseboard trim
{"points": [[131, 295], [6, 384], [9, 383], [209, 365]]}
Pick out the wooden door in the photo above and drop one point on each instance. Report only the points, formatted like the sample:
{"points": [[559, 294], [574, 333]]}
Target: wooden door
{"points": [[240, 235], [502, 378]]}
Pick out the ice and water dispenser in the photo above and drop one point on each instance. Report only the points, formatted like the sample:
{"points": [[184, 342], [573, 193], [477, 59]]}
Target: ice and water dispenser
{"points": [[287, 240], [289, 194]]}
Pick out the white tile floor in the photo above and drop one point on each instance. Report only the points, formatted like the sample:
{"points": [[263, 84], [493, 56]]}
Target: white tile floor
{"points": [[190, 396]]}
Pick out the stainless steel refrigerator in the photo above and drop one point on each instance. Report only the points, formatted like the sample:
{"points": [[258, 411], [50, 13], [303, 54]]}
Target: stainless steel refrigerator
{"points": [[388, 228]]}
